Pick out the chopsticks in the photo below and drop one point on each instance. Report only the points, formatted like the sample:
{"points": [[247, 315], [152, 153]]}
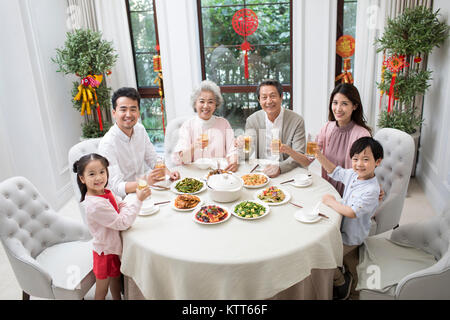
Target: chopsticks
{"points": [[287, 181], [254, 168], [162, 202], [294, 204], [320, 214], [161, 187]]}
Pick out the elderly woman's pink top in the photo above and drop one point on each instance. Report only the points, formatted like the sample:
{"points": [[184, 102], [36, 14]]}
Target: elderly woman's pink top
{"points": [[220, 139], [335, 143]]}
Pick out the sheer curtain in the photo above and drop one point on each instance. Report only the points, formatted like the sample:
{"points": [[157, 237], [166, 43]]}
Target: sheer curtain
{"points": [[371, 17], [109, 17]]}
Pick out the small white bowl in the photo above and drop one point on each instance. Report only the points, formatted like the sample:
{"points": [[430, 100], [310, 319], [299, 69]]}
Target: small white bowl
{"points": [[203, 163]]}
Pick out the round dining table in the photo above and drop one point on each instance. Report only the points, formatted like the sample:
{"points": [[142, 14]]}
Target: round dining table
{"points": [[168, 255]]}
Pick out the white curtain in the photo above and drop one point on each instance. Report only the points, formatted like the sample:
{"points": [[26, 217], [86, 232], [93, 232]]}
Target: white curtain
{"points": [[110, 18], [371, 18]]}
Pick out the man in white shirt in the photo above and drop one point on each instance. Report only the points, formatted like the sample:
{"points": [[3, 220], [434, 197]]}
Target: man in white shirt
{"points": [[128, 148], [275, 122]]}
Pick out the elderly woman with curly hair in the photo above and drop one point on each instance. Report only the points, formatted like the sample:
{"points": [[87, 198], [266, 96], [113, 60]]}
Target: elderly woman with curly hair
{"points": [[206, 135]]}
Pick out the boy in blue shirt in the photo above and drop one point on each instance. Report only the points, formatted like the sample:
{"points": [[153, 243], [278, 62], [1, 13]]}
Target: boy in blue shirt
{"points": [[360, 200]]}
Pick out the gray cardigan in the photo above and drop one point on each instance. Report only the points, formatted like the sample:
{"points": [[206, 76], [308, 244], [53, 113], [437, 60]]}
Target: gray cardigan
{"points": [[292, 134]]}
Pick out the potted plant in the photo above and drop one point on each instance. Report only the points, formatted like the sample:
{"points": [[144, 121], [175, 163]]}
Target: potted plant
{"points": [[90, 58], [406, 42]]}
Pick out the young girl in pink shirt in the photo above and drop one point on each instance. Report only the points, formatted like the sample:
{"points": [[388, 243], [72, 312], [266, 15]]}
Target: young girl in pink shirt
{"points": [[105, 218]]}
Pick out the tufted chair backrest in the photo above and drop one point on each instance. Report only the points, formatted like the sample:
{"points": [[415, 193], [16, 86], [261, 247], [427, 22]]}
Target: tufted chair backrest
{"points": [[432, 236], [75, 153], [28, 224], [393, 174], [171, 138]]}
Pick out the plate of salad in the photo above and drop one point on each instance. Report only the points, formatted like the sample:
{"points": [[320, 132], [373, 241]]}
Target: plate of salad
{"points": [[273, 196], [250, 209]]}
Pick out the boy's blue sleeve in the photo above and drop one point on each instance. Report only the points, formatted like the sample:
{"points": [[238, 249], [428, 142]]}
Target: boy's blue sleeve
{"points": [[340, 174]]}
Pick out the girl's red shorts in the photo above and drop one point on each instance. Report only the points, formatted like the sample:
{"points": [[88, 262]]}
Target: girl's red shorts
{"points": [[106, 265]]}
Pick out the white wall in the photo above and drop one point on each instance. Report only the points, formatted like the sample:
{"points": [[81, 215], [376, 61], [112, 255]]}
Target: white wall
{"points": [[38, 122], [433, 169]]}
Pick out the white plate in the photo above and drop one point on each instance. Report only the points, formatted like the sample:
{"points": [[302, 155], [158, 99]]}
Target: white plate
{"points": [[258, 202], [286, 199], [172, 205], [257, 186], [172, 187], [300, 216], [149, 213], [307, 184], [208, 204]]}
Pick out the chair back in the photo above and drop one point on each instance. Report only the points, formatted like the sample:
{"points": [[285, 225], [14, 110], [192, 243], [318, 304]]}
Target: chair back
{"points": [[432, 236], [171, 138], [28, 225], [75, 153], [393, 174]]}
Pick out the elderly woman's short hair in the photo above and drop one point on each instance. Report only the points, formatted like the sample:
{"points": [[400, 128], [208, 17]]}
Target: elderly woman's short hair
{"points": [[207, 85]]}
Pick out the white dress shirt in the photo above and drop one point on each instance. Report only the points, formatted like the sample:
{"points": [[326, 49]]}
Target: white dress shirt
{"points": [[128, 157], [277, 124]]}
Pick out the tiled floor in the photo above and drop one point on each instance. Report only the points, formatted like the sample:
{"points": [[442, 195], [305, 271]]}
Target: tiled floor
{"points": [[416, 208]]}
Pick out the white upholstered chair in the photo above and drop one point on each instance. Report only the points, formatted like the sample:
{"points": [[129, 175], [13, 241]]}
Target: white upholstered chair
{"points": [[393, 174], [171, 138], [413, 264], [51, 255], [75, 153]]}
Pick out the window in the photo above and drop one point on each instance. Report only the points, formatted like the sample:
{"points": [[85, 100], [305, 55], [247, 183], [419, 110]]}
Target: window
{"points": [[144, 35], [346, 24], [223, 60]]}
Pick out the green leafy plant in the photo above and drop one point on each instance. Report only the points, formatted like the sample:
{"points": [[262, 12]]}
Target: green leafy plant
{"points": [[85, 53], [412, 35]]}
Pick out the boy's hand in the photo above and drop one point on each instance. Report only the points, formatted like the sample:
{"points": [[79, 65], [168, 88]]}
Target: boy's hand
{"points": [[143, 194], [328, 199]]}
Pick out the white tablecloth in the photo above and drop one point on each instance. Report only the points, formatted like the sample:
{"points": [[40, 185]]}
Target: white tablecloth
{"points": [[169, 256]]}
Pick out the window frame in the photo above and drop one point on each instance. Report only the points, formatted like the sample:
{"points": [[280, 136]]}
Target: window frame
{"points": [[144, 91], [241, 88]]}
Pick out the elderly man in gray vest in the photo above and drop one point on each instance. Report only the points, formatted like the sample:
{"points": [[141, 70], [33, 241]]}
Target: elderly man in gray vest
{"points": [[274, 125]]}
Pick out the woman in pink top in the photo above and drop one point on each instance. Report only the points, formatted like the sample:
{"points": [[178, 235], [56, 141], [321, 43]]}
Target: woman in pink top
{"points": [[218, 136], [105, 218], [346, 125]]}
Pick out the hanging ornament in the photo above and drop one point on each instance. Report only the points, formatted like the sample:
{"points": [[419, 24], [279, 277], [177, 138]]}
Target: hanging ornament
{"points": [[345, 47], [394, 64], [88, 96], [383, 71], [245, 23], [159, 79]]}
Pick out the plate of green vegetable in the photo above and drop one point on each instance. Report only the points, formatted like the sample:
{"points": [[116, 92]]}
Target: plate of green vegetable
{"points": [[250, 209], [187, 185]]}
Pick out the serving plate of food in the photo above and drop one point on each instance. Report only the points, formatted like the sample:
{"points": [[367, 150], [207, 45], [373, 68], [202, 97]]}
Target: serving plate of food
{"points": [[250, 209], [185, 202], [211, 214], [255, 180], [273, 196], [187, 186]]}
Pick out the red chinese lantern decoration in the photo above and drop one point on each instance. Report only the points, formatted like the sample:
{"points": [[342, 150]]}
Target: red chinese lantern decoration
{"points": [[245, 23], [159, 79], [345, 47], [394, 64]]}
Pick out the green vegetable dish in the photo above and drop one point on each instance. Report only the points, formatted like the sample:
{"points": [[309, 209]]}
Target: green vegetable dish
{"points": [[249, 209], [189, 185]]}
